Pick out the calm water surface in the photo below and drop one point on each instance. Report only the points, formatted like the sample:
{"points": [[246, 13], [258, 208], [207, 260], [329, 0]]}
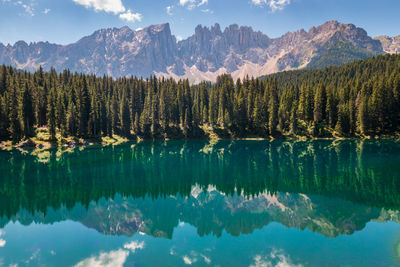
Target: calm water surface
{"points": [[230, 203]]}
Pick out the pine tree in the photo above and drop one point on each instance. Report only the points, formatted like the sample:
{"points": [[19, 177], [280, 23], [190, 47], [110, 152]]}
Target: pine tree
{"points": [[342, 125], [145, 117], [331, 109], [115, 114], [61, 112], [51, 114], [42, 104], [319, 103], [154, 120], [15, 124], [186, 126], [164, 113], [293, 119], [27, 112], [3, 79], [273, 109], [241, 114], [84, 107], [2, 119], [205, 115], [213, 108], [72, 119], [363, 115], [103, 116], [137, 123], [125, 116], [94, 125], [109, 118]]}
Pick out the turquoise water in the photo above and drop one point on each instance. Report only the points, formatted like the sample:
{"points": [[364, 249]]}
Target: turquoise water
{"points": [[230, 203]]}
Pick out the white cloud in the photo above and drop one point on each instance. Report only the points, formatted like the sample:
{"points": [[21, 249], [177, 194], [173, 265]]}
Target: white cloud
{"points": [[29, 10], [169, 10], [190, 4], [46, 11], [134, 245], [115, 258], [258, 2], [109, 6], [2, 243], [273, 4], [131, 17], [28, 7]]}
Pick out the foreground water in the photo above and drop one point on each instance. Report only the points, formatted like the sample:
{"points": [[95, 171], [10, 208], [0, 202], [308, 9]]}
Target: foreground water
{"points": [[232, 203]]}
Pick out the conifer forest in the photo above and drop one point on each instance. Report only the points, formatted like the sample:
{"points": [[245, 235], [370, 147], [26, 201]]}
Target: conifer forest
{"points": [[354, 100]]}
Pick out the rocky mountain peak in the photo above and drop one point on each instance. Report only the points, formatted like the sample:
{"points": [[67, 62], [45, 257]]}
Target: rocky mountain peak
{"points": [[154, 29], [21, 44], [390, 45], [238, 50], [216, 29], [125, 29], [332, 25]]}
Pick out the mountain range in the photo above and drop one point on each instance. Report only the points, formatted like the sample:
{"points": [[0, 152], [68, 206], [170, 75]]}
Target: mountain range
{"points": [[206, 54]]}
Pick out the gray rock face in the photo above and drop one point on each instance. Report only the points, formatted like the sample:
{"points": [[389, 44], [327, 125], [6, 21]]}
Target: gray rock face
{"points": [[390, 45], [120, 52], [203, 56], [211, 49]]}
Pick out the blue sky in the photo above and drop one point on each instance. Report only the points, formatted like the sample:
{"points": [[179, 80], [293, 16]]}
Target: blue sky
{"points": [[66, 21]]}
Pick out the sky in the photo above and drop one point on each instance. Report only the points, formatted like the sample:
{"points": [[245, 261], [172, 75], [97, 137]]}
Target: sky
{"points": [[66, 21]]}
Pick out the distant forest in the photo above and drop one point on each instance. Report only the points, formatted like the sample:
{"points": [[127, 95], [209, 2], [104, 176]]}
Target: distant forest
{"points": [[358, 99]]}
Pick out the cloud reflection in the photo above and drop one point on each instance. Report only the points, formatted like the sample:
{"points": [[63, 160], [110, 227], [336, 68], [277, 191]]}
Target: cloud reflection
{"points": [[276, 258], [134, 245], [115, 258]]}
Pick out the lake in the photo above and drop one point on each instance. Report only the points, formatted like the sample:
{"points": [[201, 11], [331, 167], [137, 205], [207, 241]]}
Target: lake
{"points": [[202, 203]]}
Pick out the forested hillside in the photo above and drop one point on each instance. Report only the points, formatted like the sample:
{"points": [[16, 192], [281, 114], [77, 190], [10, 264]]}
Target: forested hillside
{"points": [[357, 99]]}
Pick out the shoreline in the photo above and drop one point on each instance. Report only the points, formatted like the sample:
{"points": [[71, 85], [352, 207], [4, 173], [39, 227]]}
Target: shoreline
{"points": [[37, 145]]}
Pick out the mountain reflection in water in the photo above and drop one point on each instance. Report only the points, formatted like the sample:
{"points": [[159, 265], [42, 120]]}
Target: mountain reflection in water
{"points": [[331, 188], [238, 187]]}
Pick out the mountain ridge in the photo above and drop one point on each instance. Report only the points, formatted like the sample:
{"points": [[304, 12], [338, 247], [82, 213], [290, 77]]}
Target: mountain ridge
{"points": [[209, 52], [390, 45]]}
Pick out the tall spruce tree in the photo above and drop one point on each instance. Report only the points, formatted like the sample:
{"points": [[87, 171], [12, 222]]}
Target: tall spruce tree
{"points": [[125, 116], [320, 103], [273, 108], [26, 112], [15, 129], [51, 114]]}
